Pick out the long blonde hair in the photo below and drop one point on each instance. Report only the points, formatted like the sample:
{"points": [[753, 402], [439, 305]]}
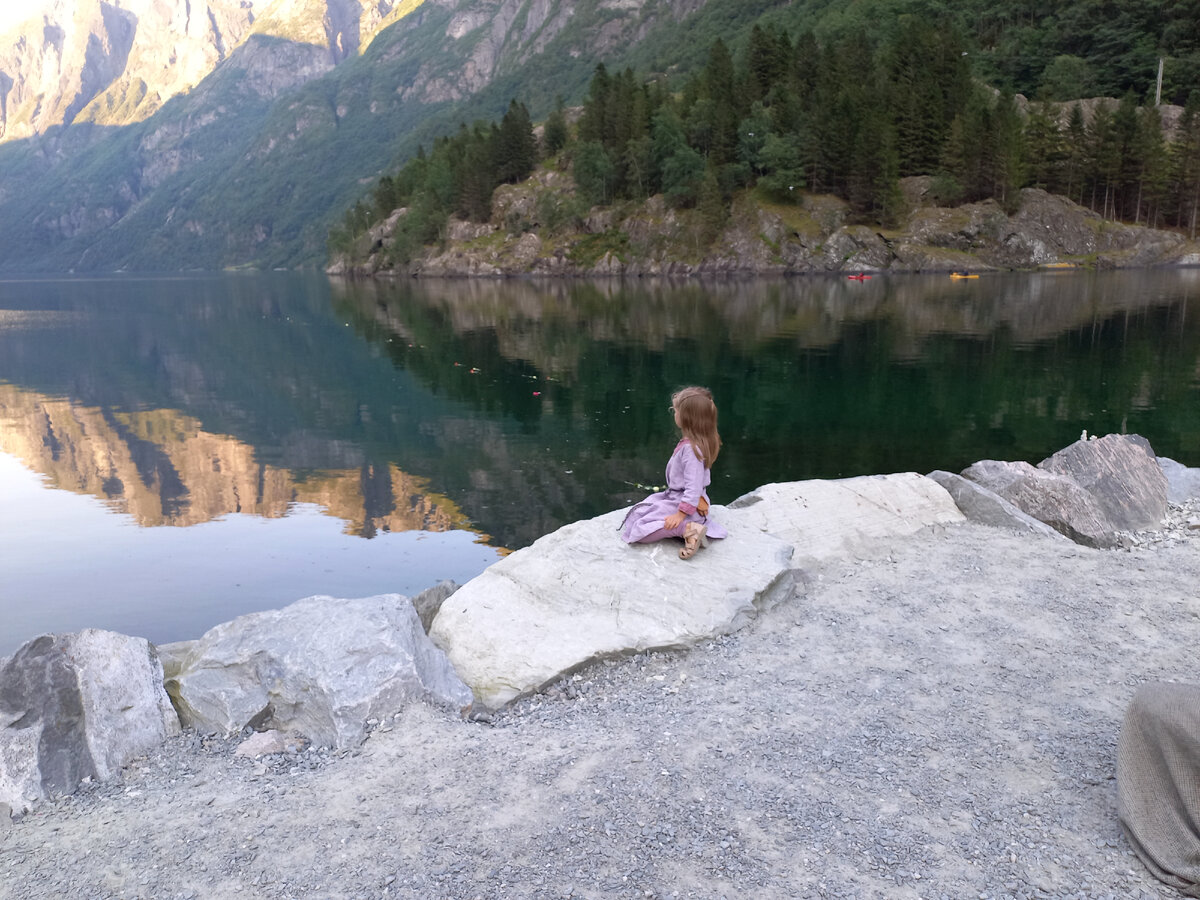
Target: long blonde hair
{"points": [[698, 422]]}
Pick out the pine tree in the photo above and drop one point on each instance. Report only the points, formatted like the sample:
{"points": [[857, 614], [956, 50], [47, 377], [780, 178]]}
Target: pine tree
{"points": [[554, 133], [595, 174], [718, 89], [595, 108], [514, 150], [1185, 166], [1044, 147], [1076, 154], [1008, 173]]}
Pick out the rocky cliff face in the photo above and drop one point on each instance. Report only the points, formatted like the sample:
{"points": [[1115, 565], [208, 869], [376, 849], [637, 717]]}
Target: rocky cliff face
{"points": [[114, 63]]}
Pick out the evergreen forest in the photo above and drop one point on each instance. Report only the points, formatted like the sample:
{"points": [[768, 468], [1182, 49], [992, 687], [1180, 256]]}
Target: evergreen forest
{"points": [[784, 115]]}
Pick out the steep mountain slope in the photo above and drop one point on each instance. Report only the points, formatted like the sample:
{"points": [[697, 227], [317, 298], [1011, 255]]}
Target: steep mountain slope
{"points": [[250, 166], [91, 61]]}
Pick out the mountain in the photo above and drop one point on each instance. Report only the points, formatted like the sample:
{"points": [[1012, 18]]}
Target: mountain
{"points": [[123, 151], [205, 134]]}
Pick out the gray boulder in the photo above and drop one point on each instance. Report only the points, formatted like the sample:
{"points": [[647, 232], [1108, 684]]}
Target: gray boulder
{"points": [[981, 505], [1183, 483], [320, 667], [581, 594], [1054, 499], [1121, 472], [430, 600], [76, 706]]}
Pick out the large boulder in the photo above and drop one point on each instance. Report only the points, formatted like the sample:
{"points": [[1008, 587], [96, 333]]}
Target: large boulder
{"points": [[1183, 483], [1121, 472], [981, 505], [76, 706], [320, 667], [1057, 500], [843, 518], [581, 594]]}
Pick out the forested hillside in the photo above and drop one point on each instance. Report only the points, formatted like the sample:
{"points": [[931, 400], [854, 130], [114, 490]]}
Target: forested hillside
{"points": [[845, 116], [841, 97]]}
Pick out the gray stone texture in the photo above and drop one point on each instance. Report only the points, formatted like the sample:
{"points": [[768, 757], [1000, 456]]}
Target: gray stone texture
{"points": [[76, 706], [981, 505], [1121, 472], [1057, 500], [319, 667], [1183, 483]]}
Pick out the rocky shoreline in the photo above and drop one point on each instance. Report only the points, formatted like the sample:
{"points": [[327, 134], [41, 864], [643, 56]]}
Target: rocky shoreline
{"points": [[927, 713], [813, 236]]}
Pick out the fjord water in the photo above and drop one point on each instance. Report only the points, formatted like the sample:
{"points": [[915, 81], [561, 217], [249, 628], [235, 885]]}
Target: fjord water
{"points": [[177, 451]]}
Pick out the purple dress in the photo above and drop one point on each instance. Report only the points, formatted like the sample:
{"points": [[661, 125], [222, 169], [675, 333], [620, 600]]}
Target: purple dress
{"points": [[686, 480]]}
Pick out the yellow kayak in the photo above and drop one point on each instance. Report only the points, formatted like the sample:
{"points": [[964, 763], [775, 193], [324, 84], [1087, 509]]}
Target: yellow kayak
{"points": [[961, 275]]}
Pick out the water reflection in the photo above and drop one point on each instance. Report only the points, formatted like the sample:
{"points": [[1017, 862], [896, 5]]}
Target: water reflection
{"points": [[500, 410], [161, 468], [551, 323]]}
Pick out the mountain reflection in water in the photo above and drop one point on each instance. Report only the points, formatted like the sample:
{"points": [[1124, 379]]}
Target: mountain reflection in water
{"points": [[161, 468], [498, 411]]}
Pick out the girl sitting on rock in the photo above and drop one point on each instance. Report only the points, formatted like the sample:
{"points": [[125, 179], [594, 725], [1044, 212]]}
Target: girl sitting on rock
{"points": [[682, 509]]}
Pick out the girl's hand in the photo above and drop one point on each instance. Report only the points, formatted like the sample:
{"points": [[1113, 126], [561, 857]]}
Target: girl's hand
{"points": [[674, 520]]}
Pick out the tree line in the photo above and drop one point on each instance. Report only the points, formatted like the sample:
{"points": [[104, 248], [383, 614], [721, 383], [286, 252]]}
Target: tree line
{"points": [[784, 116]]}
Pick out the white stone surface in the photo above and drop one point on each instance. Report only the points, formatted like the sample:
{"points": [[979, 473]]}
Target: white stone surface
{"points": [[582, 594], [319, 667], [843, 518]]}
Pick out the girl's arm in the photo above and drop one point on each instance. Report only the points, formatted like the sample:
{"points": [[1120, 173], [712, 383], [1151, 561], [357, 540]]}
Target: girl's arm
{"points": [[693, 480]]}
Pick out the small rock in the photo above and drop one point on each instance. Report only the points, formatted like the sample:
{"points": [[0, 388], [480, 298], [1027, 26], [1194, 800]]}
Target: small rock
{"points": [[264, 743]]}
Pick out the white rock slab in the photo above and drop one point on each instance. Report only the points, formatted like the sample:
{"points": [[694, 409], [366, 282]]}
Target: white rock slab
{"points": [[843, 518], [319, 667], [581, 594]]}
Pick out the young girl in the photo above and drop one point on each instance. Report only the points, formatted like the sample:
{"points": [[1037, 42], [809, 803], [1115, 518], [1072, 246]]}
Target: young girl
{"points": [[682, 509]]}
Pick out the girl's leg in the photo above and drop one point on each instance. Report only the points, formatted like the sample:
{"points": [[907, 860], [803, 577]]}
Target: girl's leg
{"points": [[663, 533]]}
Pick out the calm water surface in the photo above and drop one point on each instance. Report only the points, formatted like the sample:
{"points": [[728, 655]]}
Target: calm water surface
{"points": [[175, 452]]}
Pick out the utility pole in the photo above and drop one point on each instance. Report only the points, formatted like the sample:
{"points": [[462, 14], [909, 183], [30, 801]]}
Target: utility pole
{"points": [[1158, 90]]}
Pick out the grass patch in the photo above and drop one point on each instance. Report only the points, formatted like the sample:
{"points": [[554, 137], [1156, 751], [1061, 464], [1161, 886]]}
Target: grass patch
{"points": [[591, 248]]}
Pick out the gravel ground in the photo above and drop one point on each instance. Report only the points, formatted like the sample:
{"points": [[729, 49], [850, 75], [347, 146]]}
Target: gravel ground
{"points": [[939, 722]]}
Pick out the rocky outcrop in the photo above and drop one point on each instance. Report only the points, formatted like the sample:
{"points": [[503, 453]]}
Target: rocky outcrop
{"points": [[1056, 500], [75, 707], [1091, 491], [525, 238], [1122, 473], [581, 594], [320, 667], [981, 505]]}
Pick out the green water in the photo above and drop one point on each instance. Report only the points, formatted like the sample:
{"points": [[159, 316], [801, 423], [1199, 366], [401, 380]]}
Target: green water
{"points": [[499, 410]]}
